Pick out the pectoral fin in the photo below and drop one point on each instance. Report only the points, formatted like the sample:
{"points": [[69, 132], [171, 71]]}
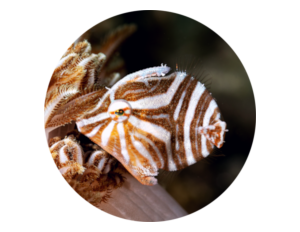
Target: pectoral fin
{"points": [[214, 133]]}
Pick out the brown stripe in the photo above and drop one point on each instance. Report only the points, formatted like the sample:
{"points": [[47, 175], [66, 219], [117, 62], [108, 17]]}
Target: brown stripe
{"points": [[160, 89], [213, 118], [149, 116], [178, 155], [180, 121], [88, 128], [166, 123], [102, 109], [199, 113], [142, 159], [114, 145], [134, 155], [124, 89], [97, 137], [158, 143]]}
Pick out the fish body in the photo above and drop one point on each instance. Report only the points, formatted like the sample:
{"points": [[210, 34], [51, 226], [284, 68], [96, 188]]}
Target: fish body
{"points": [[150, 121]]}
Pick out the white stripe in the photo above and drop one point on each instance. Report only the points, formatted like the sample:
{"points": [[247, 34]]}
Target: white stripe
{"points": [[93, 132], [151, 128], [209, 112], [196, 132], [158, 132], [161, 99], [158, 116], [107, 132], [142, 90], [178, 107], [177, 143], [162, 116], [203, 146], [223, 126], [155, 116], [98, 117], [171, 164], [197, 127], [153, 145], [196, 95], [140, 170], [124, 151], [143, 151], [96, 107], [161, 71], [133, 92]]}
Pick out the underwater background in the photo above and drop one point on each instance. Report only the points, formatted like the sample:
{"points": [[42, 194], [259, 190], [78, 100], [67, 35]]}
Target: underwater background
{"points": [[168, 38]]}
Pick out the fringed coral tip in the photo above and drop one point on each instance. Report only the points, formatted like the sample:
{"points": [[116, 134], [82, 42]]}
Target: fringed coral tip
{"points": [[101, 160], [68, 156]]}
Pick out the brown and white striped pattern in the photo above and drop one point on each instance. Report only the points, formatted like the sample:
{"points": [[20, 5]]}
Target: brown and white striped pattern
{"points": [[174, 123]]}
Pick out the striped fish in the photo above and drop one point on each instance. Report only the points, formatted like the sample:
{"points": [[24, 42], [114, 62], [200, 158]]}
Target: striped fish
{"points": [[149, 121]]}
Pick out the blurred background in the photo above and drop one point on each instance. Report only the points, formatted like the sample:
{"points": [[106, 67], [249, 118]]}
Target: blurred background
{"points": [[163, 37]]}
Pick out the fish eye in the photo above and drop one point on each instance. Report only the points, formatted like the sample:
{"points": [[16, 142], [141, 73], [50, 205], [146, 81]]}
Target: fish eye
{"points": [[119, 110]]}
